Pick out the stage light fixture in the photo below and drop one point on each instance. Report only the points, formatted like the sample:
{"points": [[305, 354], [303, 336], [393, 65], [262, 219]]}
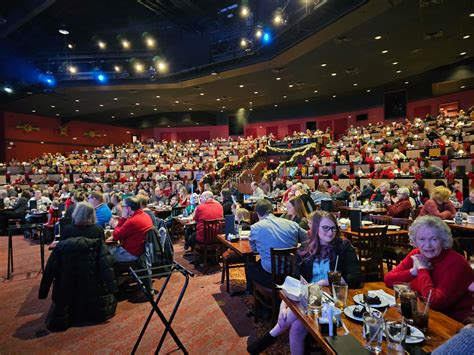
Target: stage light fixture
{"points": [[139, 67], [259, 32], [279, 17], [8, 89], [150, 42], [101, 78], [102, 45], [162, 66], [117, 68], [244, 11], [72, 69], [267, 37], [125, 44]]}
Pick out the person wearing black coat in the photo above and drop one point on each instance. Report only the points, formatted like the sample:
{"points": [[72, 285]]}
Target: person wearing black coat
{"points": [[18, 211], [317, 257], [84, 223], [227, 201], [84, 283]]}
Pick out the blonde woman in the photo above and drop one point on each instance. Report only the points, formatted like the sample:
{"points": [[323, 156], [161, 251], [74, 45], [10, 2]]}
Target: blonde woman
{"points": [[439, 204]]}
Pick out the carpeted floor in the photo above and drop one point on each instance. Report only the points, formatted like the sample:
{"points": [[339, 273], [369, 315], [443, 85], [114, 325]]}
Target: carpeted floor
{"points": [[209, 321]]}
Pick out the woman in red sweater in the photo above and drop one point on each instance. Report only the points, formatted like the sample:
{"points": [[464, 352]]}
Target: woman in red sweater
{"points": [[434, 267], [439, 205]]}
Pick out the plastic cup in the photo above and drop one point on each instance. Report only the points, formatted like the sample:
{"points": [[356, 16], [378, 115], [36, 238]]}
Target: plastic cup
{"points": [[339, 293], [373, 332]]}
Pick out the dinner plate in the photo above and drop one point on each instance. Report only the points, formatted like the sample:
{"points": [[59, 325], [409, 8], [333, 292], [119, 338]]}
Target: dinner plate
{"points": [[348, 311], [449, 221], [359, 299], [416, 336], [367, 223], [393, 228]]}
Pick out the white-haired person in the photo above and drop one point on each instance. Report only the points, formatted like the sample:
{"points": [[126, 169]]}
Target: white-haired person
{"points": [[434, 268], [208, 209], [400, 206], [83, 223]]}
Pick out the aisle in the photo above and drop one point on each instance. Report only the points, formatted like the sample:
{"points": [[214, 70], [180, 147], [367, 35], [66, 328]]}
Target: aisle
{"points": [[208, 322]]}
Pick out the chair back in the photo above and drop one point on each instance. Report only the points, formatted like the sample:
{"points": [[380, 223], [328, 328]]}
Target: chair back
{"points": [[282, 263], [370, 243], [464, 246], [327, 205], [212, 228], [380, 219], [404, 223], [176, 211], [63, 222]]}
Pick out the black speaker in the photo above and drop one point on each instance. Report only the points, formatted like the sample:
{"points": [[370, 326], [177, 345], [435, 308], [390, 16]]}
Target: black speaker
{"points": [[395, 104], [362, 117], [311, 125]]}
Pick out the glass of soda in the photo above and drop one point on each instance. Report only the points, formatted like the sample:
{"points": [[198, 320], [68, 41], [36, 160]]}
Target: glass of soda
{"points": [[421, 313], [333, 276], [407, 300]]}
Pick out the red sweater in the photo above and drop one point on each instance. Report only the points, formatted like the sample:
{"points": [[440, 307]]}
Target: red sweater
{"points": [[401, 209], [449, 280], [444, 211], [209, 210], [131, 232]]}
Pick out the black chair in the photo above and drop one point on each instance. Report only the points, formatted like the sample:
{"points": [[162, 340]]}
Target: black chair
{"points": [[327, 205], [210, 247], [370, 243], [283, 264], [464, 246]]}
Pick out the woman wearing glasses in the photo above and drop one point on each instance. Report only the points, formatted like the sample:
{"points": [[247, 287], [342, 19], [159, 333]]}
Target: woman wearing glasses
{"points": [[317, 256]]}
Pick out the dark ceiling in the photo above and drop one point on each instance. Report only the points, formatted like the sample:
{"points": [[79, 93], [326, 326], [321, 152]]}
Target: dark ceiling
{"points": [[338, 38]]}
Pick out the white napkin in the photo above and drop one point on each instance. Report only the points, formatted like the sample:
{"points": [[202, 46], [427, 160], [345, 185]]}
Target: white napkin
{"points": [[384, 296], [291, 286]]}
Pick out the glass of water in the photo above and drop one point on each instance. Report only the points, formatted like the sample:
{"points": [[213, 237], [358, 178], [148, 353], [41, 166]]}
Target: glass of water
{"points": [[314, 298], [395, 332], [373, 332]]}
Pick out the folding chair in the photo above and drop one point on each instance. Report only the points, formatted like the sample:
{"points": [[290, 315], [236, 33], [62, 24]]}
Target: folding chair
{"points": [[158, 272]]}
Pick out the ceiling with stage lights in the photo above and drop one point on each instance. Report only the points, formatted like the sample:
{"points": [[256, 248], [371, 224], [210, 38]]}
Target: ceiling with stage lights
{"points": [[172, 62]]}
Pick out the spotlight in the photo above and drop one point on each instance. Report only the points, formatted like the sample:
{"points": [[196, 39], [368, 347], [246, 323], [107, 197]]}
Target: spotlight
{"points": [[162, 66], [267, 38], [244, 43], [125, 44], [8, 89], [244, 11], [47, 79], [100, 77], [63, 30], [259, 32], [70, 46], [150, 42], [117, 69], [279, 17], [139, 67], [72, 69], [101, 44]]}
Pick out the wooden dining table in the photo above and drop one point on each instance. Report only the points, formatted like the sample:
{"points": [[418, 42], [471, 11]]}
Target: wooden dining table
{"points": [[440, 326], [465, 227], [241, 246], [380, 210]]}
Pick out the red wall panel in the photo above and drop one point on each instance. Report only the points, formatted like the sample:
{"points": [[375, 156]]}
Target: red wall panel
{"points": [[173, 133], [272, 129]]}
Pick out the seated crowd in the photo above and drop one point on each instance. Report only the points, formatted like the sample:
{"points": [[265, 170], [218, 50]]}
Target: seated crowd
{"points": [[307, 218]]}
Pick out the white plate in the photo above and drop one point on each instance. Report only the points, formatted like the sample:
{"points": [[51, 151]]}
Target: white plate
{"points": [[416, 336], [449, 221], [359, 299], [393, 228], [367, 223], [348, 311]]}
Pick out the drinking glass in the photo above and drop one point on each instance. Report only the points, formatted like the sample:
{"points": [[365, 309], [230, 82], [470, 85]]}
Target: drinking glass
{"points": [[421, 313], [397, 288], [339, 293], [314, 298], [395, 332], [373, 332], [334, 276], [407, 299]]}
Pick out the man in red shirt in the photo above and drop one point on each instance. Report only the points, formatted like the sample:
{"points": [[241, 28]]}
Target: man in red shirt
{"points": [[208, 209], [130, 230]]}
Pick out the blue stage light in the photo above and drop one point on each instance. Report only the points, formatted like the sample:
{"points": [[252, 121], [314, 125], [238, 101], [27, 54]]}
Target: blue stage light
{"points": [[267, 38], [101, 78], [47, 79]]}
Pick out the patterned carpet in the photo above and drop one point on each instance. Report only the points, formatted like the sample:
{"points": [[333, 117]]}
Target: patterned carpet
{"points": [[209, 321]]}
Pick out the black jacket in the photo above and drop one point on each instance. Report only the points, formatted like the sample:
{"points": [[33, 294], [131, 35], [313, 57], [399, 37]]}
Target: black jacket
{"points": [[21, 205], [84, 283], [92, 231], [348, 265]]}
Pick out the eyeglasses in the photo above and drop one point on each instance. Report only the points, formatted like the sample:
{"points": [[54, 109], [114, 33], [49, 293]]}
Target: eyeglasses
{"points": [[327, 229]]}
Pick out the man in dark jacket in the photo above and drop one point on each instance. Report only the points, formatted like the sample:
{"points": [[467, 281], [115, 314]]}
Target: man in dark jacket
{"points": [[84, 283]]}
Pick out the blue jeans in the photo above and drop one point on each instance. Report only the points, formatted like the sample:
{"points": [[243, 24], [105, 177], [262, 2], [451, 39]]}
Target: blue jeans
{"points": [[120, 255]]}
